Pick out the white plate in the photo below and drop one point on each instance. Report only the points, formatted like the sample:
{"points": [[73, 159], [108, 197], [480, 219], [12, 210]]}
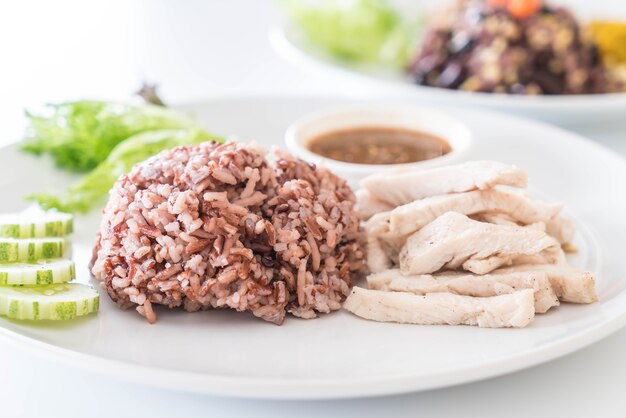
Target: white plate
{"points": [[340, 355], [560, 109]]}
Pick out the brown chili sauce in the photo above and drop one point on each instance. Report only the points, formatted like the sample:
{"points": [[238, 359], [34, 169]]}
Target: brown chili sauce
{"points": [[379, 145]]}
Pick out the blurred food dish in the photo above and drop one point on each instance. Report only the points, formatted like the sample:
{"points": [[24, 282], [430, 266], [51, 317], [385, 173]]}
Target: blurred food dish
{"points": [[515, 47], [539, 60]]}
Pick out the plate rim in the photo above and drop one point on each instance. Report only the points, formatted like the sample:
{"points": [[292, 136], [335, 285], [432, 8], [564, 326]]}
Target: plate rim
{"points": [[292, 389], [343, 388]]}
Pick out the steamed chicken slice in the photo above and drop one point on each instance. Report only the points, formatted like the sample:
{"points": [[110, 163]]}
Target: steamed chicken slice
{"points": [[494, 218], [378, 256], [562, 229], [413, 216], [469, 285], [485, 265], [399, 188], [511, 310], [544, 257], [367, 205], [569, 283], [453, 239], [382, 246]]}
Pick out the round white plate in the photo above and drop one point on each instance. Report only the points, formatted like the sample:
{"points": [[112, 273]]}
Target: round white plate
{"points": [[560, 109], [340, 355]]}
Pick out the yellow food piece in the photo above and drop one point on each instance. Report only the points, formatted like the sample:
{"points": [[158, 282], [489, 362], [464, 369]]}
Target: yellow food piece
{"points": [[610, 36]]}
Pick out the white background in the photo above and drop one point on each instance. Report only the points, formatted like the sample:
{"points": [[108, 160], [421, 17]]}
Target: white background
{"points": [[60, 50]]}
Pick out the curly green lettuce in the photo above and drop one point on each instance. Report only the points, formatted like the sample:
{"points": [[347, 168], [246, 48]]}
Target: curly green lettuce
{"points": [[80, 135], [92, 189], [362, 31]]}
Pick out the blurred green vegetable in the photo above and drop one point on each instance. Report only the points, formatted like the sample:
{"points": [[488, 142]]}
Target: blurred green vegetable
{"points": [[366, 31], [92, 189], [80, 135]]}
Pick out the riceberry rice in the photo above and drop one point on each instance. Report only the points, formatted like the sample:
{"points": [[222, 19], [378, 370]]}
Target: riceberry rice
{"points": [[220, 226]]}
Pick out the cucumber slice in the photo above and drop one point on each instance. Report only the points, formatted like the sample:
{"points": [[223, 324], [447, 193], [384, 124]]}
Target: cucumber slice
{"points": [[40, 225], [30, 250], [43, 272], [55, 301]]}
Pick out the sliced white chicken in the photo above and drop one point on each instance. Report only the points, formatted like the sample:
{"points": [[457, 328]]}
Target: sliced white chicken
{"points": [[569, 283], [453, 238], [378, 256], [469, 285], [511, 310], [367, 205], [413, 216], [544, 257], [562, 229], [399, 188], [494, 218], [485, 265]]}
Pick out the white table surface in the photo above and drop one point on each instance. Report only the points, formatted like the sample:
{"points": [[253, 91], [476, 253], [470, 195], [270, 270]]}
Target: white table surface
{"points": [[61, 50]]}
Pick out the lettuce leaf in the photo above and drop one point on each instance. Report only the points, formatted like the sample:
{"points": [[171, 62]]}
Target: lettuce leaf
{"points": [[92, 189], [80, 135], [362, 31]]}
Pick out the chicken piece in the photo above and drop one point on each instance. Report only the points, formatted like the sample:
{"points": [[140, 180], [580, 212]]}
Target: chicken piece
{"points": [[389, 245], [378, 256], [502, 219], [469, 285], [413, 216], [452, 239], [544, 257], [562, 229], [384, 245], [511, 310], [485, 265], [401, 187], [488, 264], [367, 205], [569, 283], [494, 218]]}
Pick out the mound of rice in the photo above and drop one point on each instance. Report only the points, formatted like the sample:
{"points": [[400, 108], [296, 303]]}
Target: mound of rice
{"points": [[219, 226]]}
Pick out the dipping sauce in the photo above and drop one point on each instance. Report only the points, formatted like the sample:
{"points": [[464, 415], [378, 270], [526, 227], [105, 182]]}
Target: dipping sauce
{"points": [[379, 145]]}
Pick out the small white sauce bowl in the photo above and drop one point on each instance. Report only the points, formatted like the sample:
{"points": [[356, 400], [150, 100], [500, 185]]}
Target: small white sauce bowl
{"points": [[408, 117]]}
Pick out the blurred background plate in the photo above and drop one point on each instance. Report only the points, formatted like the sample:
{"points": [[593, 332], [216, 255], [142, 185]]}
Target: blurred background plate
{"points": [[290, 43]]}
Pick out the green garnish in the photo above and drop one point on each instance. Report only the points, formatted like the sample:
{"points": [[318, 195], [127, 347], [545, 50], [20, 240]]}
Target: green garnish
{"points": [[92, 189], [80, 135]]}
